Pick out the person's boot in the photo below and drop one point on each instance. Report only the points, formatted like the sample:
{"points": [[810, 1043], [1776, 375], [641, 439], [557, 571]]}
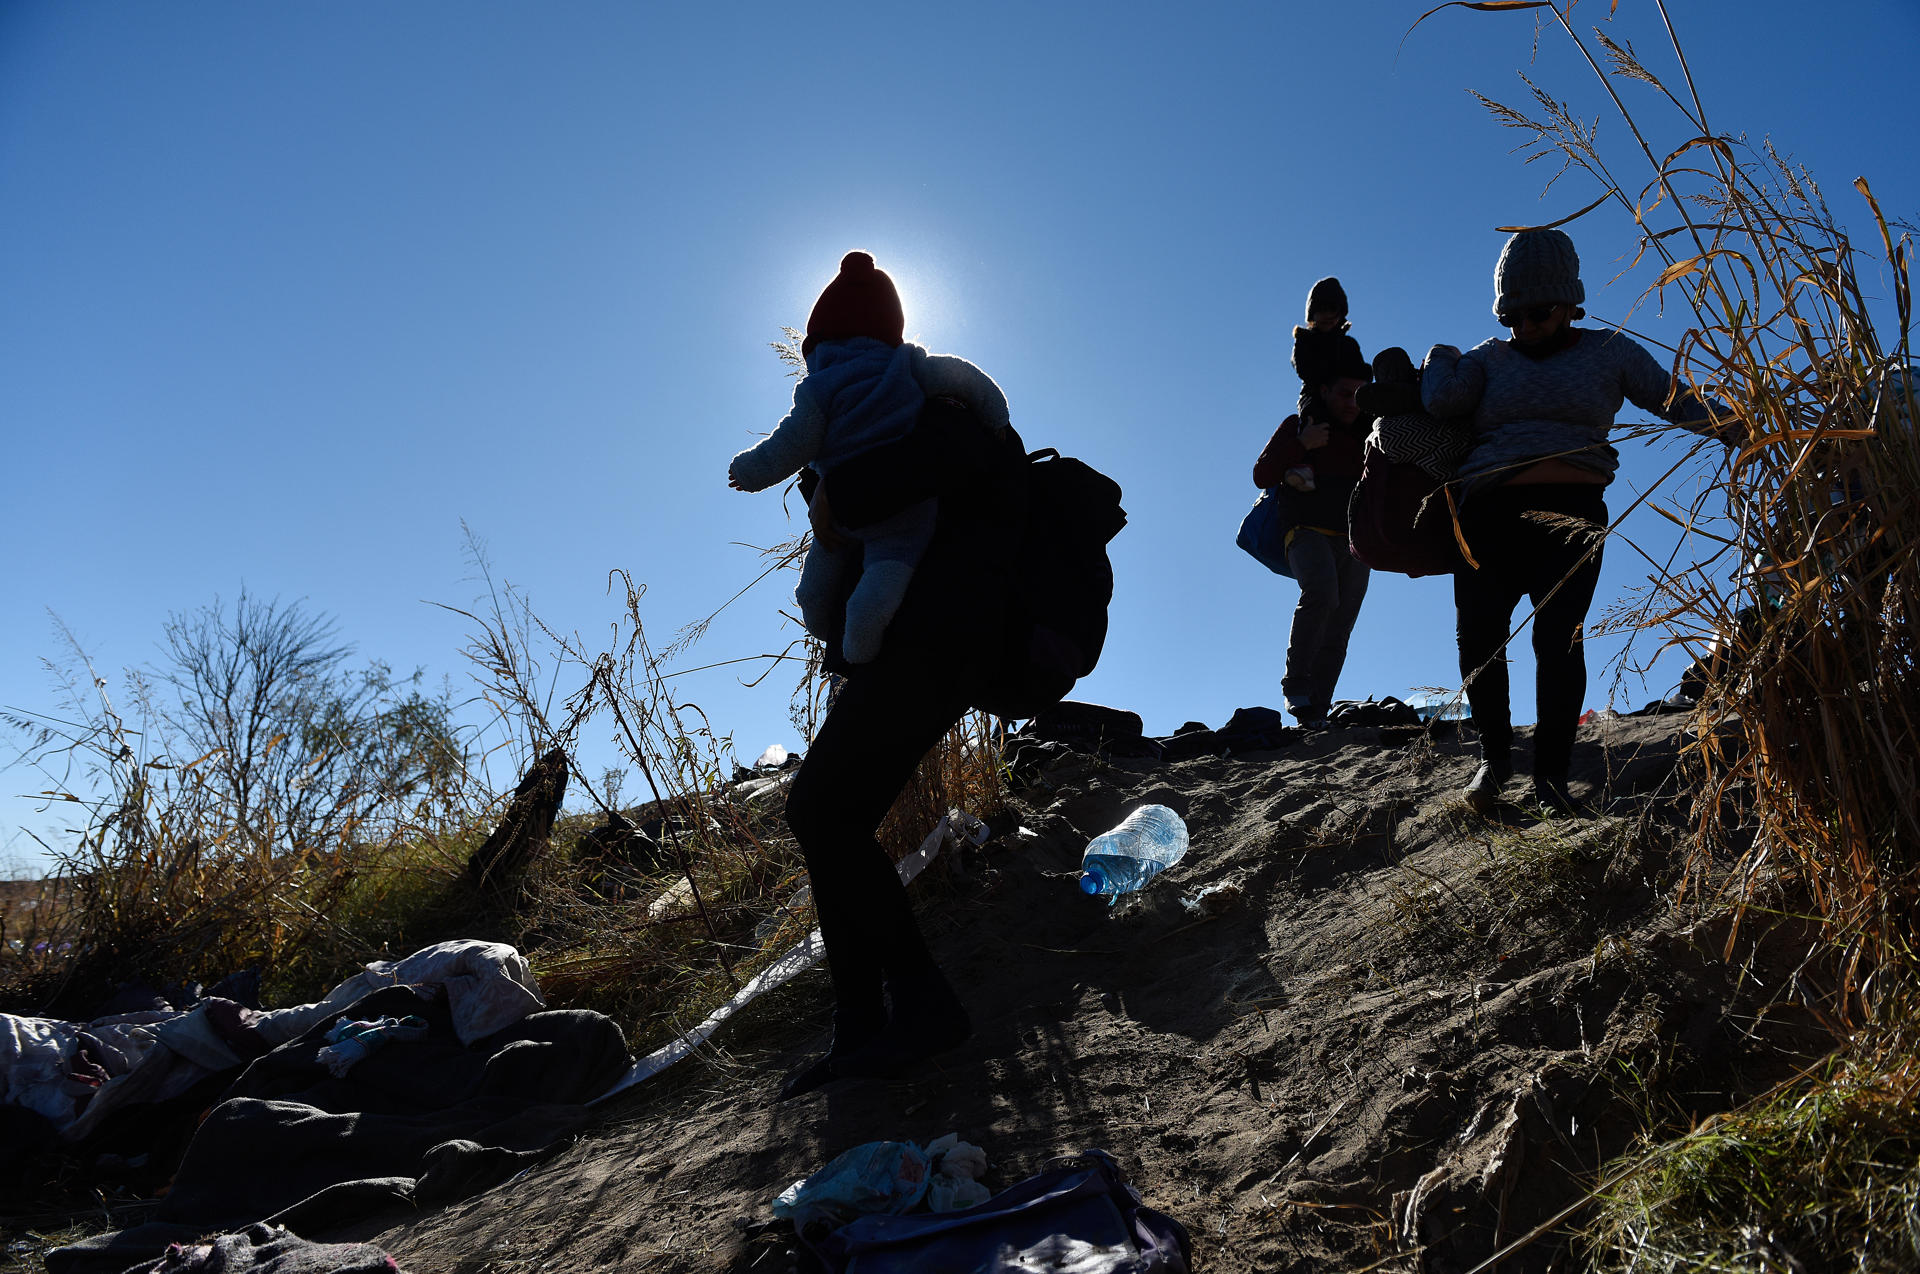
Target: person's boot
{"points": [[1483, 789], [926, 1018], [851, 1032], [1309, 716], [1554, 797]]}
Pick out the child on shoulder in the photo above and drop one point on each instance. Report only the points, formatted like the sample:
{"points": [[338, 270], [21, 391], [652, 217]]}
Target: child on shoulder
{"points": [[864, 387], [1318, 349]]}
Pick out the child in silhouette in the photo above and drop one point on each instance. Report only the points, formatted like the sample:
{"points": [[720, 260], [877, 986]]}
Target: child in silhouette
{"points": [[864, 386], [1318, 348]]}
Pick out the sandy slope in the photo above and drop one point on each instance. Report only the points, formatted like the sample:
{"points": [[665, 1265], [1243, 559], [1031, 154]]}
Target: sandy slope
{"points": [[1406, 1027]]}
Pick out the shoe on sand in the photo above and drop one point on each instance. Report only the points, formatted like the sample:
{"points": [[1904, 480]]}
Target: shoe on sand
{"points": [[849, 1035], [927, 1019], [1483, 789], [1555, 798]]}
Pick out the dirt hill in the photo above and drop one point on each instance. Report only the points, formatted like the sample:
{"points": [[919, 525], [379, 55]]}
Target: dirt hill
{"points": [[1355, 1021]]}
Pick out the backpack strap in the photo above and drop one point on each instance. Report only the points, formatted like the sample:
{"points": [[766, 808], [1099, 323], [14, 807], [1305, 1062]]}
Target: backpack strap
{"points": [[1045, 453]]}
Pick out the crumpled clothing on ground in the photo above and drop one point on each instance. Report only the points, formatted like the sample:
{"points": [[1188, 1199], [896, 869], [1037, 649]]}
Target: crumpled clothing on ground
{"points": [[887, 1177], [76, 1074], [351, 1041], [957, 1168], [268, 1249], [55, 1068], [489, 986]]}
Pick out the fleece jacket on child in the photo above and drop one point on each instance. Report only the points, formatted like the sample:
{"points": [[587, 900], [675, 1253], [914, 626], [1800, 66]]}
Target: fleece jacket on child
{"points": [[858, 394]]}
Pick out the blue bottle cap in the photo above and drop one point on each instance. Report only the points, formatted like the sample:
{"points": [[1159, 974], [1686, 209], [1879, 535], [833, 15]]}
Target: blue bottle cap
{"points": [[1092, 882]]}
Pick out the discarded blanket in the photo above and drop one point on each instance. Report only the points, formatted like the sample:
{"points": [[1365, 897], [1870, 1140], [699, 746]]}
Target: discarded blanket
{"points": [[421, 1122], [55, 1068], [76, 1075], [1092, 727], [1347, 714], [267, 1249]]}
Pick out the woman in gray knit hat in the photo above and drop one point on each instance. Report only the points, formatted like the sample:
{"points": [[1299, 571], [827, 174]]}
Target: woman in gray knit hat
{"points": [[1534, 512]]}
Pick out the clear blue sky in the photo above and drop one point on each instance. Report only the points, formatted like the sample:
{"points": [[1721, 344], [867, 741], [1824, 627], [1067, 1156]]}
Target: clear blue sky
{"points": [[287, 291]]}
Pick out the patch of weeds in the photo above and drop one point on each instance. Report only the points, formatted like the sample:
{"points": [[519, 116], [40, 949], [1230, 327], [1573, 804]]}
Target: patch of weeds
{"points": [[1554, 878], [1433, 916], [1823, 1174], [1559, 867]]}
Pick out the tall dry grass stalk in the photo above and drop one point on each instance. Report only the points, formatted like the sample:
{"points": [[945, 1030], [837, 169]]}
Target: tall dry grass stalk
{"points": [[1802, 595], [162, 885]]}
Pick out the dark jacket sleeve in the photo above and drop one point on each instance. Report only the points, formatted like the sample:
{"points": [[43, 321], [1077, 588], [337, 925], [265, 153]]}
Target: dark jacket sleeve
{"points": [[947, 450], [1283, 452]]}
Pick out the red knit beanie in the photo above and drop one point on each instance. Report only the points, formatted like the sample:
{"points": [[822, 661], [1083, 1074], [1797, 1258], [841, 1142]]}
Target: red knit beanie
{"points": [[861, 301]]}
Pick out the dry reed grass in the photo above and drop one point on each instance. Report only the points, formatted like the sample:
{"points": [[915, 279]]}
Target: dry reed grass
{"points": [[160, 886]]}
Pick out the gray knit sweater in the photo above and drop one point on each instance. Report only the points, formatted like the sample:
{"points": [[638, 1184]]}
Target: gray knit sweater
{"points": [[1557, 407]]}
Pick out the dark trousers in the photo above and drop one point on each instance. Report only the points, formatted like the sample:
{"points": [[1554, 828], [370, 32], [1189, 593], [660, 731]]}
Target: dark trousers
{"points": [[886, 717], [1527, 547], [1333, 583]]}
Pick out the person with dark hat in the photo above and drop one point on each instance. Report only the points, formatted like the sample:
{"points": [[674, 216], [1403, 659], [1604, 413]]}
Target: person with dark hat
{"points": [[1320, 349], [1333, 582], [901, 429], [1533, 508]]}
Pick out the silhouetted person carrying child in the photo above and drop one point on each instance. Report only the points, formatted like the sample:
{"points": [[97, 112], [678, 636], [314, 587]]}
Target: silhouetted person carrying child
{"points": [[892, 1005], [1332, 581]]}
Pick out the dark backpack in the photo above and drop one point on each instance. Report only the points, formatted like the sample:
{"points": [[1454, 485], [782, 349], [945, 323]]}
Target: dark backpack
{"points": [[1061, 582]]}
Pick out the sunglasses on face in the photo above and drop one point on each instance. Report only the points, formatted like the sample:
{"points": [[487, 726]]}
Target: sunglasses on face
{"points": [[1537, 315]]}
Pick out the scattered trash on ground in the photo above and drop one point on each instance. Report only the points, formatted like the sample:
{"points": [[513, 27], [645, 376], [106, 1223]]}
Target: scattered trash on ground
{"points": [[888, 1178], [1079, 1215], [1214, 900]]}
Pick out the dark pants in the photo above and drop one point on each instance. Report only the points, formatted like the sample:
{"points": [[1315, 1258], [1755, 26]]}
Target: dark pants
{"points": [[886, 717], [1539, 559], [1333, 583]]}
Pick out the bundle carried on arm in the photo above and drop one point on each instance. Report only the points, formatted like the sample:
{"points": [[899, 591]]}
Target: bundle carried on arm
{"points": [[1559, 405], [1336, 468]]}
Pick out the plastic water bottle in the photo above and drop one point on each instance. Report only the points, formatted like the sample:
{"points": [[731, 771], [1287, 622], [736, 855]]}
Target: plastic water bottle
{"points": [[1439, 706], [1147, 842]]}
